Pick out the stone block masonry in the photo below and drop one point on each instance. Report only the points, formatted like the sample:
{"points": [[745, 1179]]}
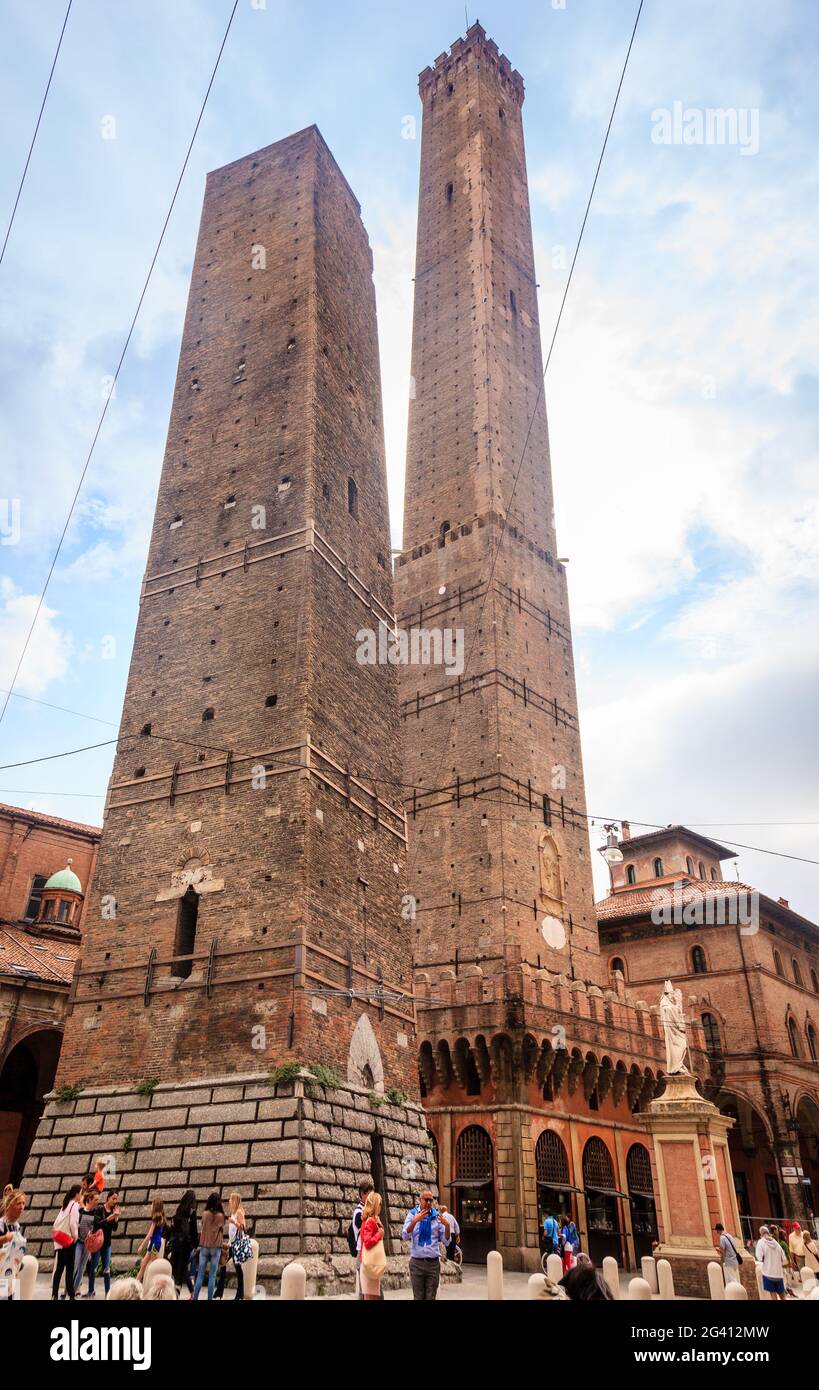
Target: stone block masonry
{"points": [[296, 1150]]}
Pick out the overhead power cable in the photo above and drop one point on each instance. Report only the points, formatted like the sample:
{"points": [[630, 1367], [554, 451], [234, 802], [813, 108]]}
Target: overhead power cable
{"points": [[34, 136], [115, 377]]}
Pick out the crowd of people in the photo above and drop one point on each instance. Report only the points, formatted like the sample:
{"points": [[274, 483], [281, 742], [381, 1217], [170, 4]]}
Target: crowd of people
{"points": [[84, 1228], [201, 1251]]}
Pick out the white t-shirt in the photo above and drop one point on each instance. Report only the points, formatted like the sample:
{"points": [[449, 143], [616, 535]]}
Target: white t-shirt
{"points": [[771, 1256]]}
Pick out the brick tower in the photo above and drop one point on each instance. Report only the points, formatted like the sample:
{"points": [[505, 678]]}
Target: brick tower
{"points": [[246, 910], [519, 1035]]}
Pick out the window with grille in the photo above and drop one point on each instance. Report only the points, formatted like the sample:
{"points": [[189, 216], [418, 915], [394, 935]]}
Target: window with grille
{"points": [[597, 1166], [698, 961], [473, 1155], [638, 1170], [793, 1036], [551, 1161], [711, 1031]]}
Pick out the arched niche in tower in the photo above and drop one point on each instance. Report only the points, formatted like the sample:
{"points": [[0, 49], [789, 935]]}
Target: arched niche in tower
{"points": [[551, 887], [364, 1065]]}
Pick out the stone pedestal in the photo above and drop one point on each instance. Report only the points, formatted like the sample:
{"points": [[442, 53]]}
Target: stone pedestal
{"points": [[295, 1149], [694, 1184]]}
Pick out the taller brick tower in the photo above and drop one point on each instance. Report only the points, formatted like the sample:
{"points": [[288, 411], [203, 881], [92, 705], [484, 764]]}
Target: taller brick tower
{"points": [[519, 1035], [499, 836], [246, 910]]}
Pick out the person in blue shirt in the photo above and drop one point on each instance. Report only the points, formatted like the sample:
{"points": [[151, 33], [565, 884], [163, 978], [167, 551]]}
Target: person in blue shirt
{"points": [[551, 1231], [425, 1229]]}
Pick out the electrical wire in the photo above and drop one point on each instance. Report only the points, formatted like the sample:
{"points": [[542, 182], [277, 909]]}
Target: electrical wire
{"points": [[34, 136], [115, 377]]}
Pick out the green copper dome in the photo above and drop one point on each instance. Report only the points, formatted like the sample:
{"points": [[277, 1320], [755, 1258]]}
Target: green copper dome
{"points": [[65, 879]]}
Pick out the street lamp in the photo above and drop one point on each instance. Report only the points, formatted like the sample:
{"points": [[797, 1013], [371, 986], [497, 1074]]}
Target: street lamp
{"points": [[611, 851]]}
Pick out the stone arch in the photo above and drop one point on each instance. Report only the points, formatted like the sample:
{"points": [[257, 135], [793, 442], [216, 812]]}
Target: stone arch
{"points": [[364, 1064]]}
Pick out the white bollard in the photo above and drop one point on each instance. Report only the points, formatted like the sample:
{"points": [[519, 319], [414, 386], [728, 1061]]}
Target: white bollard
{"points": [[249, 1270], [294, 1282], [734, 1291], [763, 1294], [716, 1281], [28, 1276], [665, 1279], [611, 1274], [554, 1268], [639, 1289], [648, 1267], [494, 1276], [156, 1267], [534, 1288], [808, 1278]]}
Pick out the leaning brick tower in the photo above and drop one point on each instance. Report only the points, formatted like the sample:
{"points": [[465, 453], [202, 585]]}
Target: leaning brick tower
{"points": [[246, 911], [521, 1032]]}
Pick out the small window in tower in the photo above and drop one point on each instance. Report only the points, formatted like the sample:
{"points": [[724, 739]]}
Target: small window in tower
{"points": [[513, 302], [450, 189], [270, 701], [145, 731], [291, 343], [230, 501], [176, 523], [500, 112], [658, 868], [450, 88], [240, 373], [382, 562], [208, 714], [187, 914], [284, 485], [325, 492], [352, 497], [139, 771]]}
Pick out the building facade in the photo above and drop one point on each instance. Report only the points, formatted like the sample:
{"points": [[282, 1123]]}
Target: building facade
{"points": [[46, 864], [536, 1069], [246, 913], [749, 969]]}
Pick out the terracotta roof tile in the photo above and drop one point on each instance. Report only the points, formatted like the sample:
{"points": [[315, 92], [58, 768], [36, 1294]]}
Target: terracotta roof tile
{"points": [[40, 818], [36, 958]]}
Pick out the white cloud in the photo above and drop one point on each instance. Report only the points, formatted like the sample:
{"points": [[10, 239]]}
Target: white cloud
{"points": [[50, 649]]}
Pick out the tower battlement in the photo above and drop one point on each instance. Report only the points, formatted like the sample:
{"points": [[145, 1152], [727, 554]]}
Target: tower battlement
{"points": [[474, 46]]}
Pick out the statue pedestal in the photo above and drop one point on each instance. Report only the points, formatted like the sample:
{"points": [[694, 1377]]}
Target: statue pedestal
{"points": [[695, 1185]]}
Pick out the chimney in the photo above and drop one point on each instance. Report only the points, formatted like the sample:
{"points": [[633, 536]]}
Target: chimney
{"points": [[783, 902], [626, 830]]}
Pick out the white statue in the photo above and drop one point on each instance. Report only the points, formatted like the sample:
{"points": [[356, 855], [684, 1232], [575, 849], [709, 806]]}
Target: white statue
{"points": [[676, 1037]]}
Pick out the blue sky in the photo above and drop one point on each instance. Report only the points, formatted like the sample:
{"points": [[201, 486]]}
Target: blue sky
{"points": [[682, 393]]}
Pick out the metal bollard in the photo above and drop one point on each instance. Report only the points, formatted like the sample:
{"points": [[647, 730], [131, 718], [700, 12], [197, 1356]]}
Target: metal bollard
{"points": [[294, 1282], [494, 1276]]}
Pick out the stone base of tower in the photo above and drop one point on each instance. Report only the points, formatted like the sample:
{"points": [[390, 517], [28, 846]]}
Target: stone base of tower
{"points": [[295, 1149]]}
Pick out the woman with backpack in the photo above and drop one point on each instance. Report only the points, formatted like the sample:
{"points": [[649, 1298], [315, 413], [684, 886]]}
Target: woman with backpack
{"points": [[373, 1254], [152, 1241], [88, 1241], [184, 1240], [65, 1232]]}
